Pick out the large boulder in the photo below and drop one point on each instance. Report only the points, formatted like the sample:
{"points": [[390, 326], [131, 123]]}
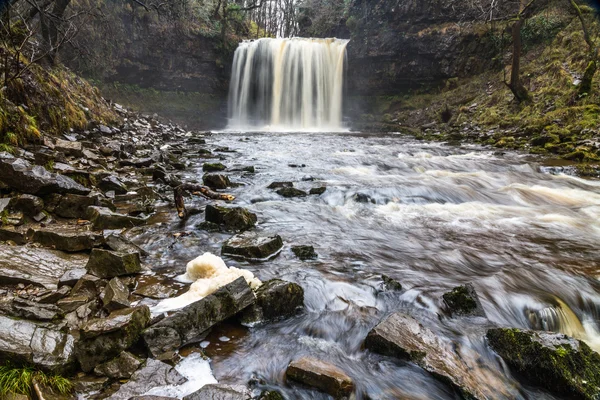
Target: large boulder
{"points": [[275, 299], [235, 219], [67, 238], [553, 361], [121, 367], [402, 336], [217, 391], [187, 324], [42, 267], [109, 264], [252, 246], [104, 218], [322, 376], [22, 176], [105, 338], [24, 342]]}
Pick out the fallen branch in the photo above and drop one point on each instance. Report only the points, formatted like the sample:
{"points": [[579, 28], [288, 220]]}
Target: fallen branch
{"points": [[197, 190]]}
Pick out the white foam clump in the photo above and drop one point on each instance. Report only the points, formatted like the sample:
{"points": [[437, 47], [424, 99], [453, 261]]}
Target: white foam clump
{"points": [[209, 273], [195, 369]]}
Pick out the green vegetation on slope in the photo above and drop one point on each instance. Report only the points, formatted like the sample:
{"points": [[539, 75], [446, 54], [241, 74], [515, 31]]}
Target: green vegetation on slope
{"points": [[20, 380]]}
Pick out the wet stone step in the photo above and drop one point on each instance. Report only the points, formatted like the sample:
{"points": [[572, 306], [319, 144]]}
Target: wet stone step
{"points": [[252, 246]]}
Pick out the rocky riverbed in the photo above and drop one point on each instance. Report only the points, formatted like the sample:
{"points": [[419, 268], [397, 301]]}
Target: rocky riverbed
{"points": [[90, 289]]}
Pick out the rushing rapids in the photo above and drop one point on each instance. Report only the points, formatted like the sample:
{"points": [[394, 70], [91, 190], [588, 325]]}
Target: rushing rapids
{"points": [[429, 215], [287, 84]]}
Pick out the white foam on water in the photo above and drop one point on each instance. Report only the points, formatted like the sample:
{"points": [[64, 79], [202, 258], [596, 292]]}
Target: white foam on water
{"points": [[195, 369], [365, 171], [560, 196], [208, 273]]}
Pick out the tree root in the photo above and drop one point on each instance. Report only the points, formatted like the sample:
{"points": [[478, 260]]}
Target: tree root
{"points": [[197, 190]]}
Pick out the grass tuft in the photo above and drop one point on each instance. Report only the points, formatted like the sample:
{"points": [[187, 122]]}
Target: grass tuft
{"points": [[19, 380]]}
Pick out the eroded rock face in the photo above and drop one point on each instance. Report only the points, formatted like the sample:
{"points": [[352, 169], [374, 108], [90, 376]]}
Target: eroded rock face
{"points": [[31, 310], [323, 376], [402, 336], [22, 176], [234, 219], [36, 266], [109, 264], [105, 338], [220, 392], [24, 342], [187, 324], [553, 361], [252, 246]]}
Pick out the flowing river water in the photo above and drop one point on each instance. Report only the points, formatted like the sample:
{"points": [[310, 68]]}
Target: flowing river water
{"points": [[437, 216]]}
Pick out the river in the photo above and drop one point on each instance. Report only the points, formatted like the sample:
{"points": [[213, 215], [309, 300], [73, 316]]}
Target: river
{"points": [[436, 217]]}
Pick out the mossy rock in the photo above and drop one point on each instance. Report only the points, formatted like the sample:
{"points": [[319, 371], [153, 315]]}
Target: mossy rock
{"points": [[558, 363], [304, 252], [463, 300], [213, 167]]}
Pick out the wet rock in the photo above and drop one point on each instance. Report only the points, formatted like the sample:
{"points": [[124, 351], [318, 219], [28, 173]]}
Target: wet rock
{"points": [[156, 291], [322, 376], [120, 243], [252, 246], [213, 167], [187, 324], [207, 226], [391, 284], [280, 185], [290, 192], [137, 162], [121, 367], [24, 342], [15, 218], [109, 264], [71, 277], [87, 384], [463, 300], [67, 238], [318, 190], [72, 303], [42, 267], [304, 252], [275, 299], [402, 336], [88, 286], [112, 183], [4, 202], [271, 395], [20, 175], [560, 364], [74, 206], [216, 181], [235, 219], [54, 296], [18, 236], [105, 338], [363, 198], [31, 310], [116, 295], [104, 218], [154, 374], [220, 392], [74, 149], [28, 204], [250, 169]]}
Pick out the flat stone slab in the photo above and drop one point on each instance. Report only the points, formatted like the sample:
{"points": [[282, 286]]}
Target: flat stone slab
{"points": [[154, 374], [69, 238], [217, 391], [190, 322], [402, 336], [104, 218], [23, 341], [321, 375], [252, 246], [42, 267]]}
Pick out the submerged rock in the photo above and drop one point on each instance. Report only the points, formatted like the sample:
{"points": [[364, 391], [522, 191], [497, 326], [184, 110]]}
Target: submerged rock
{"points": [[290, 192], [236, 219], [275, 299], [121, 367], [109, 264], [252, 246], [43, 267], [220, 392], [187, 324], [24, 342], [558, 363], [402, 336], [318, 190], [105, 338], [20, 175], [463, 300], [322, 376], [304, 252], [216, 181], [279, 185], [67, 238], [104, 218], [390, 283]]}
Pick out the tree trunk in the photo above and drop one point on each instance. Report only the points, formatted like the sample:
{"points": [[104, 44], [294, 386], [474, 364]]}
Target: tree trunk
{"points": [[588, 77], [516, 86]]}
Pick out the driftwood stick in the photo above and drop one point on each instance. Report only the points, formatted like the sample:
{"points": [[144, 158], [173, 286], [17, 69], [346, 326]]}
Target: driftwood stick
{"points": [[198, 190]]}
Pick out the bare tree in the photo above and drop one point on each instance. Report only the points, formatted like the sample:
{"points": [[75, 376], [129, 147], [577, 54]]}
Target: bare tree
{"points": [[515, 84], [588, 76]]}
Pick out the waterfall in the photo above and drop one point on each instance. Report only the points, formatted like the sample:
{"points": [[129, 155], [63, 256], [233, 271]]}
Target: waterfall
{"points": [[287, 84]]}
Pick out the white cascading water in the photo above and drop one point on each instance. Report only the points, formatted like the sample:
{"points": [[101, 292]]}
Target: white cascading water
{"points": [[287, 84]]}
